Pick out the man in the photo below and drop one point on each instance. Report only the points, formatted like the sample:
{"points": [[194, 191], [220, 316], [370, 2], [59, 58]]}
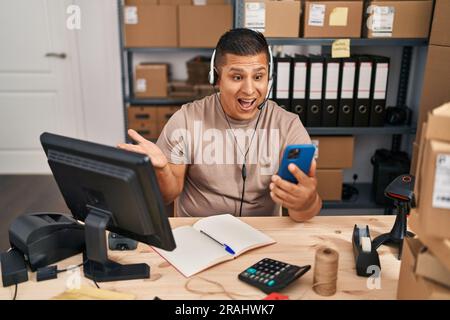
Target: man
{"points": [[201, 158]]}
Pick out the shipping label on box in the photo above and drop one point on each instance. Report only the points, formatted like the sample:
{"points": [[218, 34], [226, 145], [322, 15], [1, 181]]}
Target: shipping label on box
{"points": [[441, 191], [255, 16], [381, 21], [316, 14], [131, 15]]}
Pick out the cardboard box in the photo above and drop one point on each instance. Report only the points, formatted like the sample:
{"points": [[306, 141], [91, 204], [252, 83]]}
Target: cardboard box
{"points": [[151, 80], [181, 89], [191, 2], [202, 26], [329, 183], [438, 124], [398, 19], [440, 247], [433, 173], [147, 25], [143, 119], [334, 152], [412, 286], [274, 18], [429, 267], [414, 158], [434, 189], [163, 115], [140, 2], [333, 19], [435, 90], [441, 24]]}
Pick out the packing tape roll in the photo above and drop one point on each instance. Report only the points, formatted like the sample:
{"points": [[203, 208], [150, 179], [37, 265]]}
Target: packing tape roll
{"points": [[366, 244]]}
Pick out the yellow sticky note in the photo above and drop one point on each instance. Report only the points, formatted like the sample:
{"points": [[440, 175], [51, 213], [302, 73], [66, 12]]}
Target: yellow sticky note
{"points": [[338, 17], [340, 48]]}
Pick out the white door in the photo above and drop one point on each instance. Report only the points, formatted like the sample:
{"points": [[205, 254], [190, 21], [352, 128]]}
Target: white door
{"points": [[39, 81]]}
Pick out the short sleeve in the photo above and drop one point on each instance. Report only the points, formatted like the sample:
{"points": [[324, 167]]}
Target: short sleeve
{"points": [[297, 133], [174, 140]]}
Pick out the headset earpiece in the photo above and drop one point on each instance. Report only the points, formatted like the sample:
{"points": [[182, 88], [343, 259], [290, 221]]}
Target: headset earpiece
{"points": [[212, 71]]}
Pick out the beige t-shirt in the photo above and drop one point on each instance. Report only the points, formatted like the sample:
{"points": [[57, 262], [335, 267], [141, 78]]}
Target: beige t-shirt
{"points": [[199, 135]]}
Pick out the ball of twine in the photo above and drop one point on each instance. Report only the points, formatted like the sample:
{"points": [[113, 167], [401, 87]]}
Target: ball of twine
{"points": [[325, 271]]}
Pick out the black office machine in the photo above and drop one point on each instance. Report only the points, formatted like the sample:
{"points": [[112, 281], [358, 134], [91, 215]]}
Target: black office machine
{"points": [[366, 255], [45, 238]]}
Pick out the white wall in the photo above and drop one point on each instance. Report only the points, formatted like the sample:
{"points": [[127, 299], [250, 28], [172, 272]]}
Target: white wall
{"points": [[100, 73]]}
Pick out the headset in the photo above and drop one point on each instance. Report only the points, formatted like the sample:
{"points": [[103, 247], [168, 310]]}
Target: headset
{"points": [[212, 78]]}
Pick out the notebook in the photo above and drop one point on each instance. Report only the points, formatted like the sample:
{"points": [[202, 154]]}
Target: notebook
{"points": [[201, 245]]}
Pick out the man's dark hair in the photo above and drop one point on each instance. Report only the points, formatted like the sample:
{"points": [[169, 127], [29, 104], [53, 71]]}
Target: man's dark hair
{"points": [[240, 42]]}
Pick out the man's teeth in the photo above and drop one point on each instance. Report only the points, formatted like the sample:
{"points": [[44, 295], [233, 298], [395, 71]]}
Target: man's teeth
{"points": [[246, 103]]}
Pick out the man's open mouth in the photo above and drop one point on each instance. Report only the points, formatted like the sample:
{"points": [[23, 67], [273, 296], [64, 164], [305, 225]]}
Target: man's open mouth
{"points": [[246, 104]]}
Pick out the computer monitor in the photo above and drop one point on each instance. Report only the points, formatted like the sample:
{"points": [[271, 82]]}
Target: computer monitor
{"points": [[109, 189]]}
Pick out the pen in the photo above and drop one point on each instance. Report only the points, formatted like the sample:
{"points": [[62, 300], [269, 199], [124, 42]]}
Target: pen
{"points": [[227, 248]]}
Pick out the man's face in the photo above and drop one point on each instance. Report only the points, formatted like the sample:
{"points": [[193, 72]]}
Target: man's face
{"points": [[243, 83]]}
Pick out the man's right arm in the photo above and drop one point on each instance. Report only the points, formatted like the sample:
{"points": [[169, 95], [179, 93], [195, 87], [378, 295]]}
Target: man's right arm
{"points": [[170, 176]]}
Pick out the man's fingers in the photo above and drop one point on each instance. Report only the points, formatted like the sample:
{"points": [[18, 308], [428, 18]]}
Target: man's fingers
{"points": [[312, 169], [283, 184], [131, 147], [136, 136], [297, 172], [280, 193]]}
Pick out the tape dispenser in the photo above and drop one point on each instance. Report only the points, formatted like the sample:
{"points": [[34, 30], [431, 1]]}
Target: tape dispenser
{"points": [[366, 255]]}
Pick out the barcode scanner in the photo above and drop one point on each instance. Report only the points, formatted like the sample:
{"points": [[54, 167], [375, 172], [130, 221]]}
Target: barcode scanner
{"points": [[401, 190]]}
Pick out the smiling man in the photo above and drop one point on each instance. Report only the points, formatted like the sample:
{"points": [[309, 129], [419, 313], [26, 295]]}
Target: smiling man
{"points": [[220, 154]]}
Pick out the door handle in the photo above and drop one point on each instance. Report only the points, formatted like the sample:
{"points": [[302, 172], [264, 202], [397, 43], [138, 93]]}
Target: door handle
{"points": [[56, 55]]}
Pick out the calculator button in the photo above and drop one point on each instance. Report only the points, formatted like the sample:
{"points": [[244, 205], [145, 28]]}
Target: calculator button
{"points": [[265, 281], [271, 283], [251, 270], [277, 273], [271, 277]]}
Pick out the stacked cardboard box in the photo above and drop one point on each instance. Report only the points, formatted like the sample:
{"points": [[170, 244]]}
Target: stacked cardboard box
{"points": [[175, 23], [398, 18], [333, 19], [428, 257], [151, 80], [435, 90], [200, 26], [147, 24], [274, 18], [149, 121], [333, 155]]}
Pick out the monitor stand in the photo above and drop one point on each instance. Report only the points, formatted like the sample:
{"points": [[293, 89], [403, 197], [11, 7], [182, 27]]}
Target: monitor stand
{"points": [[96, 264]]}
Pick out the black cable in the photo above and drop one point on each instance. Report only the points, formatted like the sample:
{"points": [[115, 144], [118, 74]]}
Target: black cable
{"points": [[244, 177], [96, 284], [15, 292]]}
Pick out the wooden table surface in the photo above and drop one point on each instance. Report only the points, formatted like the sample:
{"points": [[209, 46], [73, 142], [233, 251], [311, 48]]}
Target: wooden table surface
{"points": [[296, 244]]}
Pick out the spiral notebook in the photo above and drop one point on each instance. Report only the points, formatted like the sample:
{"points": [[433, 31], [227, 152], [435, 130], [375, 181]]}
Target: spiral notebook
{"points": [[211, 241]]}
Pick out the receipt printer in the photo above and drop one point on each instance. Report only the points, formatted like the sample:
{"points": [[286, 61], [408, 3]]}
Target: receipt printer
{"points": [[45, 238]]}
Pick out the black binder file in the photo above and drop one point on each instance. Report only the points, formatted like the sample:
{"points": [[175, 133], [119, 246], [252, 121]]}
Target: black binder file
{"points": [[380, 76], [331, 85], [346, 92], [315, 94], [363, 88], [298, 77], [282, 82]]}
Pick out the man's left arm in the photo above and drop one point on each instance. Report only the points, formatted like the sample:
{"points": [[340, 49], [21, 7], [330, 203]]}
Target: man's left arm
{"points": [[301, 199]]}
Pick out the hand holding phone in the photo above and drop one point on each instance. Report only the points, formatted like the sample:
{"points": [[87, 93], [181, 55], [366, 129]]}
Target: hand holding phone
{"points": [[299, 154]]}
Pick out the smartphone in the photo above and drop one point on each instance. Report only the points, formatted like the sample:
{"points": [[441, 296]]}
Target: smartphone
{"points": [[299, 154]]}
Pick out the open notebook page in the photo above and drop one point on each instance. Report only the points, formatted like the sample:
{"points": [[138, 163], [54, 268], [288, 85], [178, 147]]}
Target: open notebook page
{"points": [[194, 252], [229, 230]]}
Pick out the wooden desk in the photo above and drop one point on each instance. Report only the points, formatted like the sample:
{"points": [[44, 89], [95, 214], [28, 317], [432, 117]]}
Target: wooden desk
{"points": [[296, 244]]}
